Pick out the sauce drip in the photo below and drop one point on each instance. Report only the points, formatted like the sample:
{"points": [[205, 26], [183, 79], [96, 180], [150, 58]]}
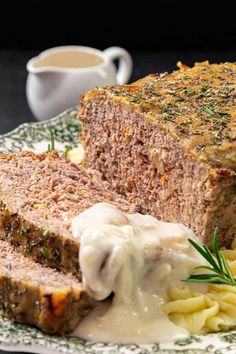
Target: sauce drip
{"points": [[137, 258]]}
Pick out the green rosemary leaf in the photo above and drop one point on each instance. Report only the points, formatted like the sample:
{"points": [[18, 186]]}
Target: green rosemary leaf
{"points": [[197, 247], [211, 259], [203, 276], [218, 265], [216, 248], [204, 251], [212, 280], [51, 146], [227, 268], [206, 267]]}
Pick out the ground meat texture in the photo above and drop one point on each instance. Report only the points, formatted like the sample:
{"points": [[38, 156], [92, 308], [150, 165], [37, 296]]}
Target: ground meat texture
{"points": [[36, 295], [39, 196], [167, 143]]}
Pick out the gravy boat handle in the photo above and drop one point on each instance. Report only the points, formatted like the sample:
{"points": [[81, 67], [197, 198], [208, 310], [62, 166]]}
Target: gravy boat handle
{"points": [[125, 63]]}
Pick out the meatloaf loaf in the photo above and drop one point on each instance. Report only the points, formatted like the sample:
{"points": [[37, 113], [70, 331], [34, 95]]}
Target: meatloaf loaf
{"points": [[33, 294], [168, 143], [39, 196]]}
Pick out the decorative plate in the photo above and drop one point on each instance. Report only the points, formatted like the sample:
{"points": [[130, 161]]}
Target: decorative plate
{"points": [[16, 337]]}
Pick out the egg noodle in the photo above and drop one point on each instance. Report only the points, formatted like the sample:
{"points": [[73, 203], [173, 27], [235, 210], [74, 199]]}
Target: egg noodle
{"points": [[213, 311]]}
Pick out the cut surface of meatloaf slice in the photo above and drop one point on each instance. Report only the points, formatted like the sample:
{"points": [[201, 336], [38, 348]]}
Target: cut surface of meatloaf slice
{"points": [[168, 142], [43, 297], [40, 194]]}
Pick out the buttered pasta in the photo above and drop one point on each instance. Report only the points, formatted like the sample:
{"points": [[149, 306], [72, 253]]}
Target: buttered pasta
{"points": [[211, 311]]}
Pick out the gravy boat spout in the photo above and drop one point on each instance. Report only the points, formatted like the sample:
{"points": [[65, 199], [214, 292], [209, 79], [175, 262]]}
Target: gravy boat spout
{"points": [[32, 67]]}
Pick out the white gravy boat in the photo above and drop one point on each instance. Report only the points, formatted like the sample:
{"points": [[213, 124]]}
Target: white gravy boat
{"points": [[58, 76]]}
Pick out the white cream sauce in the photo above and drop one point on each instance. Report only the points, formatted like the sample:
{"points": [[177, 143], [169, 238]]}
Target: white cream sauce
{"points": [[137, 258]]}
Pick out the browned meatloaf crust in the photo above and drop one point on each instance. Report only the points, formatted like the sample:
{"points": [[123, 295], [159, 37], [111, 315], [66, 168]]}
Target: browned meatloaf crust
{"points": [[33, 294], [40, 194], [168, 142]]}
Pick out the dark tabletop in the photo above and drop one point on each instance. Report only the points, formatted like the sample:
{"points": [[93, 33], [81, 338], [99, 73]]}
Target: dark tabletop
{"points": [[13, 105]]}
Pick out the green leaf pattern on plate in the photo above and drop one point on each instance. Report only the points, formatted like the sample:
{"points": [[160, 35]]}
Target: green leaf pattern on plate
{"points": [[29, 136], [35, 136]]}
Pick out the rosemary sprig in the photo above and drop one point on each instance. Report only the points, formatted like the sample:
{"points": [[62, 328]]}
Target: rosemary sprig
{"points": [[51, 146], [218, 265]]}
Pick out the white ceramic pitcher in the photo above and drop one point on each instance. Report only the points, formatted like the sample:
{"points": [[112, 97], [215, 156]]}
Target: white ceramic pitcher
{"points": [[58, 76]]}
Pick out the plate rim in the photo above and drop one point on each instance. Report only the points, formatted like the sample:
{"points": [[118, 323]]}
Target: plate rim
{"points": [[39, 123], [171, 347]]}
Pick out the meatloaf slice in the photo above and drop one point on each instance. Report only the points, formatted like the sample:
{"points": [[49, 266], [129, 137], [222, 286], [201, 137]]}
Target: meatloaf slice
{"points": [[33, 294], [167, 142], [40, 194]]}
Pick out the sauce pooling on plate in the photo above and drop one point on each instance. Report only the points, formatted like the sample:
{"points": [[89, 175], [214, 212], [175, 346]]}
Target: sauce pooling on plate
{"points": [[137, 258]]}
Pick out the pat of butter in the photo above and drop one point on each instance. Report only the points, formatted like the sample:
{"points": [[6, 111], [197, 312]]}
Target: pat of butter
{"points": [[76, 155]]}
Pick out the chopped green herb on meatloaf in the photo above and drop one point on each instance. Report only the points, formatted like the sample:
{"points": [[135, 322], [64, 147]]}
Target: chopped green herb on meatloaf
{"points": [[40, 296], [39, 196], [168, 143]]}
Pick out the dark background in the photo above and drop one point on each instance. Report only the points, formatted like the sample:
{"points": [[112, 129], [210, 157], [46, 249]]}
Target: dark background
{"points": [[157, 34], [146, 25]]}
